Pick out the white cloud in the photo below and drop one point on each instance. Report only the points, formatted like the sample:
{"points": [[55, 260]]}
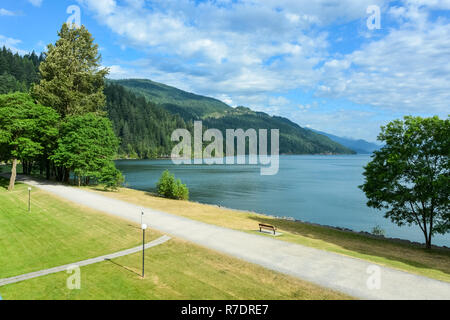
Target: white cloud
{"points": [[4, 12], [36, 3], [408, 70], [117, 72], [11, 44], [249, 50], [433, 4], [228, 48]]}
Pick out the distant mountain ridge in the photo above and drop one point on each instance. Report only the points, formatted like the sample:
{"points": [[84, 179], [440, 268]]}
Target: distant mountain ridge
{"points": [[174, 99], [360, 146], [216, 114]]}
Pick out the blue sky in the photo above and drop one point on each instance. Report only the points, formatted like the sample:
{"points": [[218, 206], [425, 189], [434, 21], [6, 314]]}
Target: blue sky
{"points": [[315, 62]]}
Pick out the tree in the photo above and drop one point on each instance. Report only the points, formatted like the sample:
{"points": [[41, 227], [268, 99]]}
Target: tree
{"points": [[111, 177], [171, 188], [24, 128], [87, 144], [72, 80], [409, 176], [9, 84]]}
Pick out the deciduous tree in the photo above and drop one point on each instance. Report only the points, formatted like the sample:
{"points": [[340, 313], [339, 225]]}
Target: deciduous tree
{"points": [[87, 145], [24, 129], [409, 176]]}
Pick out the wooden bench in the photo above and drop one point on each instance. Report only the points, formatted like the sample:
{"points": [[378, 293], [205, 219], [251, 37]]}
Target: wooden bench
{"points": [[267, 227]]}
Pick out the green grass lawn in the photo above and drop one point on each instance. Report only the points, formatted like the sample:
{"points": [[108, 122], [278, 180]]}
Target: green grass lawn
{"points": [[58, 232], [174, 270], [55, 233], [411, 258]]}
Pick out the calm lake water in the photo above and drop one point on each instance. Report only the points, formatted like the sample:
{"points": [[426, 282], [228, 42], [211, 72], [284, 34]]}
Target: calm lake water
{"points": [[318, 189]]}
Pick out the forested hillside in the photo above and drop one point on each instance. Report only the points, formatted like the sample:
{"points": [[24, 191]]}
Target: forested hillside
{"points": [[17, 72], [145, 113], [190, 105], [218, 115], [293, 138], [144, 128]]}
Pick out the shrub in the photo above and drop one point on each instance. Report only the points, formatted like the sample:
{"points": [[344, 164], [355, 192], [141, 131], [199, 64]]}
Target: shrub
{"points": [[111, 177], [378, 231], [171, 188]]}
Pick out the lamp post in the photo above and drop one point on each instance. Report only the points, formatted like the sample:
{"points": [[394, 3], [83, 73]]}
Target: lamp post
{"points": [[144, 227], [29, 199]]}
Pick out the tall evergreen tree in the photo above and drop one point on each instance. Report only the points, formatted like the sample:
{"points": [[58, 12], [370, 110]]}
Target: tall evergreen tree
{"points": [[72, 80]]}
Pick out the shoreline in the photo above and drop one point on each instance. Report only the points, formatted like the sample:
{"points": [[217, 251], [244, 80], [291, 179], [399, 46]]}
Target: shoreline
{"points": [[342, 229], [287, 218], [282, 154], [292, 219]]}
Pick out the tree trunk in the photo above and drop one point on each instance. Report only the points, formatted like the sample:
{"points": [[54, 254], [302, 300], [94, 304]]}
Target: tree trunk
{"points": [[29, 168], [428, 238], [12, 180], [429, 241], [66, 175], [59, 174], [47, 168]]}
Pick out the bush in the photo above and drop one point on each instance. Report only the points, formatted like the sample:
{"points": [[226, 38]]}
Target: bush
{"points": [[171, 188], [111, 177], [378, 231]]}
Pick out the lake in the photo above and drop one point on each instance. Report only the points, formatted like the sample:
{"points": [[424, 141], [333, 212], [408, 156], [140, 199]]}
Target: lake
{"points": [[317, 189]]}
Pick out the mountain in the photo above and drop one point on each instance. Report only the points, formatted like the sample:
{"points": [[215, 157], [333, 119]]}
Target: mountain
{"points": [[145, 113], [216, 114], [190, 105], [360, 146], [144, 128], [293, 138]]}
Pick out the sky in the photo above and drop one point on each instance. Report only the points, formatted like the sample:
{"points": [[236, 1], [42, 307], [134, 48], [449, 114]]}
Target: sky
{"points": [[332, 65]]}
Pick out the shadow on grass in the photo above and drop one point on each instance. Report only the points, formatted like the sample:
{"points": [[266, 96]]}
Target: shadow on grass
{"points": [[123, 267], [135, 227], [411, 254], [97, 188], [154, 194]]}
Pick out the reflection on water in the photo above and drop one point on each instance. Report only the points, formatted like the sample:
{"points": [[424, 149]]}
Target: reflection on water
{"points": [[318, 189]]}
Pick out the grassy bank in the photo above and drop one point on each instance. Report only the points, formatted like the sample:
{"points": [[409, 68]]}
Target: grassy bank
{"points": [[175, 270], [434, 264], [58, 232]]}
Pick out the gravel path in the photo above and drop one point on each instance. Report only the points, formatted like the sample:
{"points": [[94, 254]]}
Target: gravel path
{"points": [[358, 278], [23, 277]]}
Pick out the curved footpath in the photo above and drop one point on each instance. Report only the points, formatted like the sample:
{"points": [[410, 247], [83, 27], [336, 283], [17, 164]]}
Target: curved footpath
{"points": [[32, 275], [355, 277]]}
